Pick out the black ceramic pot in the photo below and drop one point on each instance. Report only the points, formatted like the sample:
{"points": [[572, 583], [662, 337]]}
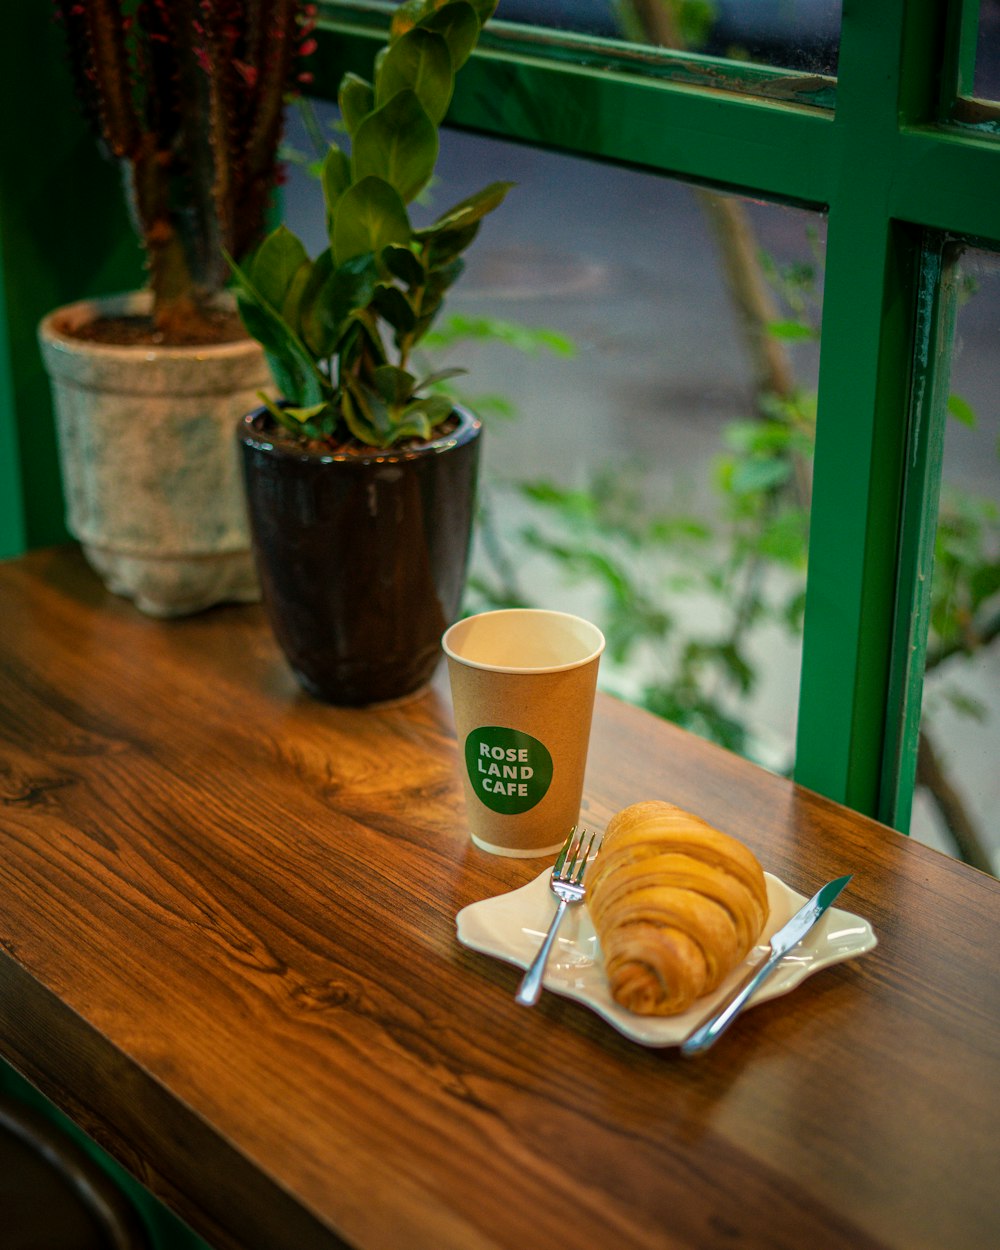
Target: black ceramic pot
{"points": [[362, 556]]}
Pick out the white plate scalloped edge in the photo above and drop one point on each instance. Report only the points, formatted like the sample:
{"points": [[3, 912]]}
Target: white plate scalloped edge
{"points": [[512, 925]]}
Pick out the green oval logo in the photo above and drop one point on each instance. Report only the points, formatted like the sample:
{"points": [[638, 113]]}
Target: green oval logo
{"points": [[509, 770]]}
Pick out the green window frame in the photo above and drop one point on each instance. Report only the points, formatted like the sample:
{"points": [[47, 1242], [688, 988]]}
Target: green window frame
{"points": [[905, 172]]}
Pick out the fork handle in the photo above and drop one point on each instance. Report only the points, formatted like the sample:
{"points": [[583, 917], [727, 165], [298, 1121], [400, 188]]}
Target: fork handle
{"points": [[530, 989]]}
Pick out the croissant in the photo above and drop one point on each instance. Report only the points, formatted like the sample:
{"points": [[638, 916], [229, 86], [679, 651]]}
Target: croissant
{"points": [[676, 905]]}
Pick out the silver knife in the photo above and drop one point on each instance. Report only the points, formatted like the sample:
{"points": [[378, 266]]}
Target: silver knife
{"points": [[787, 937]]}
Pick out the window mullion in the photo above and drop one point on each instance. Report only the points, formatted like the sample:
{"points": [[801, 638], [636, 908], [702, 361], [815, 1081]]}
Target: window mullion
{"points": [[860, 446], [865, 354], [935, 324]]}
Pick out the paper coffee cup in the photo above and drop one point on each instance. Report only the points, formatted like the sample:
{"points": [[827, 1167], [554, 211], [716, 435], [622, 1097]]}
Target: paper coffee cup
{"points": [[523, 683]]}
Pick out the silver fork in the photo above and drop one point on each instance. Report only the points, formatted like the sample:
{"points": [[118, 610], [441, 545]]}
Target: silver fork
{"points": [[566, 883]]}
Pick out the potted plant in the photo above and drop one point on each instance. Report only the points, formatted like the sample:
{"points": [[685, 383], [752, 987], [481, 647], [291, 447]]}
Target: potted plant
{"points": [[189, 96], [361, 479]]}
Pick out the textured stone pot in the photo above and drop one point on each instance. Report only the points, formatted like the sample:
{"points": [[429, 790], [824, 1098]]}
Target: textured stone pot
{"points": [[362, 556], [150, 475]]}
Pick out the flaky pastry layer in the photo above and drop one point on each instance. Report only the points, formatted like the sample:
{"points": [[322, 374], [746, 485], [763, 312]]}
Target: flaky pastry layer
{"points": [[676, 904]]}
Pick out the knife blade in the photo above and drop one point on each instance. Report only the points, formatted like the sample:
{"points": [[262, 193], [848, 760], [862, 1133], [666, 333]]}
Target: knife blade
{"points": [[786, 939]]}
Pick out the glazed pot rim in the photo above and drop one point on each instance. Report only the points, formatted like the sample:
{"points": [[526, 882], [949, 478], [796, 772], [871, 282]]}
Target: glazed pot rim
{"points": [[469, 427]]}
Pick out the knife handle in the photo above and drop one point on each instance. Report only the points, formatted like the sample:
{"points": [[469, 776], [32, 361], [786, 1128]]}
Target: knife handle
{"points": [[710, 1030]]}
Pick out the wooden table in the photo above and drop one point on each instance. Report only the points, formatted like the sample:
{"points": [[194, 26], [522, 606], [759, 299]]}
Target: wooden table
{"points": [[227, 950]]}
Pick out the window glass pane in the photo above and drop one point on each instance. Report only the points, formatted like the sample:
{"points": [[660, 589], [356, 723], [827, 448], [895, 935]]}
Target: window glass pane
{"points": [[791, 34], [583, 17], [986, 82], [639, 469], [958, 780]]}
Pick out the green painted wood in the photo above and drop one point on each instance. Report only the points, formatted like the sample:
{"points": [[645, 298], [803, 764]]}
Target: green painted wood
{"points": [[947, 181], [860, 440], [866, 624], [607, 56], [960, 52], [769, 147], [12, 535], [860, 443], [934, 334], [761, 146]]}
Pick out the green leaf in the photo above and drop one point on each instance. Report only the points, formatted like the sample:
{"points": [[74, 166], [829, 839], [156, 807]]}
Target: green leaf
{"points": [[444, 276], [436, 408], [492, 405], [752, 476], [966, 705], [291, 308], [739, 671], [757, 436], [413, 424], [397, 143], [293, 368], [675, 530], [278, 412], [791, 330], [314, 328], [429, 309], [304, 415], [472, 209], [274, 265], [794, 611], [406, 17], [392, 305], [369, 412], [356, 99], [527, 339], [784, 538], [442, 247], [984, 583], [334, 294], [369, 217], [335, 177], [358, 423], [393, 384], [484, 9], [962, 410], [419, 62], [458, 24], [292, 374], [404, 265], [365, 342], [438, 376]]}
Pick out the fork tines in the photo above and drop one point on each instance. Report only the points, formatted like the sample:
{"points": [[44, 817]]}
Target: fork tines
{"points": [[572, 859]]}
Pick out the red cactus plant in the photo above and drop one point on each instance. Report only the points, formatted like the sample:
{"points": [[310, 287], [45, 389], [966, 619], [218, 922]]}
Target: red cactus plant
{"points": [[189, 96]]}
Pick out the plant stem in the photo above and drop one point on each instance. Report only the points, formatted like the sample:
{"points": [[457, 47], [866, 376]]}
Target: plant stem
{"points": [[932, 774], [974, 639]]}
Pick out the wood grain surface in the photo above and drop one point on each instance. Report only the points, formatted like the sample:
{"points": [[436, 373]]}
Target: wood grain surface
{"points": [[227, 949]]}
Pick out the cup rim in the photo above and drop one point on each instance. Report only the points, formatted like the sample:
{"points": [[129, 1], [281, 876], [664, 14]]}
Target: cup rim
{"points": [[599, 643]]}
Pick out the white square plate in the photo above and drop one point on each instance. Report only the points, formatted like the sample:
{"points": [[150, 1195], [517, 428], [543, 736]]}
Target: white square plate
{"points": [[511, 927]]}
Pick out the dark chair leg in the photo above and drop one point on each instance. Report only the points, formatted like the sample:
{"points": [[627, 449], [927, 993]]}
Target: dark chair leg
{"points": [[52, 1194]]}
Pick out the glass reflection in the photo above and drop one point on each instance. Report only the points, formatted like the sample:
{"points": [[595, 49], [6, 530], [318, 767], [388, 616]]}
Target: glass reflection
{"points": [[958, 781], [986, 82], [790, 34]]}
